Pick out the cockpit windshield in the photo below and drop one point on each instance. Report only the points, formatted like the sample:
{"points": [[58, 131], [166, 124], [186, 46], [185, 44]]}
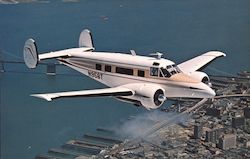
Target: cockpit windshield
{"points": [[169, 71]]}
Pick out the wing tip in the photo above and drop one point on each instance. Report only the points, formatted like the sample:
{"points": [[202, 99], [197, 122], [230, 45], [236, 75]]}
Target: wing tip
{"points": [[42, 96], [221, 53], [215, 53]]}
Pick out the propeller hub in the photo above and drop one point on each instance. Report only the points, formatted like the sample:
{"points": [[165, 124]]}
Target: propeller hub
{"points": [[161, 98]]}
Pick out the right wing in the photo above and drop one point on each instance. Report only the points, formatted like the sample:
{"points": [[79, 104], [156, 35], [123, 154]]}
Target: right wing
{"points": [[198, 62], [115, 91]]}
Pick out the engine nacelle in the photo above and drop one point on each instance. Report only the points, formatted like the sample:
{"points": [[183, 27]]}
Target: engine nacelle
{"points": [[151, 96], [201, 76]]}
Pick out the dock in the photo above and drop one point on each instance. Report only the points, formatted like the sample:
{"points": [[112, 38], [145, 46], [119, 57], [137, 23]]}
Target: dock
{"points": [[90, 144]]}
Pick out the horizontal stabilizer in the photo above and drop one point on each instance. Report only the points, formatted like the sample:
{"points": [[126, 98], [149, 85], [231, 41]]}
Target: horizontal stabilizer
{"points": [[116, 91], [61, 53]]}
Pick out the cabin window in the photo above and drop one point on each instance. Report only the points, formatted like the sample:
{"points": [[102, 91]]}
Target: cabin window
{"points": [[154, 71], [125, 71], [141, 73], [107, 68], [98, 66]]}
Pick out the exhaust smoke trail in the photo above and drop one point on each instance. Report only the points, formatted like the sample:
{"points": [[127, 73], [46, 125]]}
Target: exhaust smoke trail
{"points": [[142, 123]]}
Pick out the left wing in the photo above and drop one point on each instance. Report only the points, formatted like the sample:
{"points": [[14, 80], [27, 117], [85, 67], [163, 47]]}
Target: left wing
{"points": [[200, 61], [116, 91]]}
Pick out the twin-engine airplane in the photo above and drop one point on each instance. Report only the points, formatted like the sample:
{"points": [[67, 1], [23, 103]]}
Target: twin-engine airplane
{"points": [[140, 80]]}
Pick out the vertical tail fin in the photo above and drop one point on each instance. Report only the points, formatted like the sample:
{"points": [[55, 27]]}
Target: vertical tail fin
{"points": [[30, 53], [85, 39]]}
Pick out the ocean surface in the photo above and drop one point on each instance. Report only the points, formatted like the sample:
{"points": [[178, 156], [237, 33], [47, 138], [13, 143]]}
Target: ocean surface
{"points": [[180, 29]]}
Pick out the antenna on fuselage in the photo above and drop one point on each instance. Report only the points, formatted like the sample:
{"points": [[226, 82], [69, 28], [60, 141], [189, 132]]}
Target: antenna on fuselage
{"points": [[133, 52], [157, 55]]}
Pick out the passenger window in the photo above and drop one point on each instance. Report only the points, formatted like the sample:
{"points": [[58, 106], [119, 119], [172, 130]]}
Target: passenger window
{"points": [[98, 66], [108, 68], [125, 71], [154, 71], [141, 73]]}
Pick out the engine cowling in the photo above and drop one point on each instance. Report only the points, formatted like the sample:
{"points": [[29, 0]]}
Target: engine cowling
{"points": [[151, 96], [201, 76]]}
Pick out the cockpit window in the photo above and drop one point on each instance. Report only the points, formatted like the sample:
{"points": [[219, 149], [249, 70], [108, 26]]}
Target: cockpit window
{"points": [[165, 73], [169, 66], [176, 68], [169, 71]]}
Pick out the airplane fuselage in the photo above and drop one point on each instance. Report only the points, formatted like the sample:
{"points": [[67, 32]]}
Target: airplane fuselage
{"points": [[141, 80], [115, 69]]}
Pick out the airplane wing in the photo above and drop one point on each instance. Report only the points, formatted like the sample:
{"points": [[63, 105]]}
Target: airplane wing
{"points": [[198, 62], [115, 91]]}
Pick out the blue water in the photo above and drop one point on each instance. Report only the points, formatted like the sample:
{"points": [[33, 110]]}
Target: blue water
{"points": [[181, 29]]}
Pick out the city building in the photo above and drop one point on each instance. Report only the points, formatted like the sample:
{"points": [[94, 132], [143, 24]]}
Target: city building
{"points": [[238, 122], [247, 112], [212, 135], [216, 112], [227, 141], [198, 128]]}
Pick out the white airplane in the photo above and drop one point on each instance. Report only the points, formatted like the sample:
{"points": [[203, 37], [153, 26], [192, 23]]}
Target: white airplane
{"points": [[140, 80]]}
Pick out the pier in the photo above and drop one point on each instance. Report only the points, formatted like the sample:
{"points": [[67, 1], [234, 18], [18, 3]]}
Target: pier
{"points": [[90, 144]]}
